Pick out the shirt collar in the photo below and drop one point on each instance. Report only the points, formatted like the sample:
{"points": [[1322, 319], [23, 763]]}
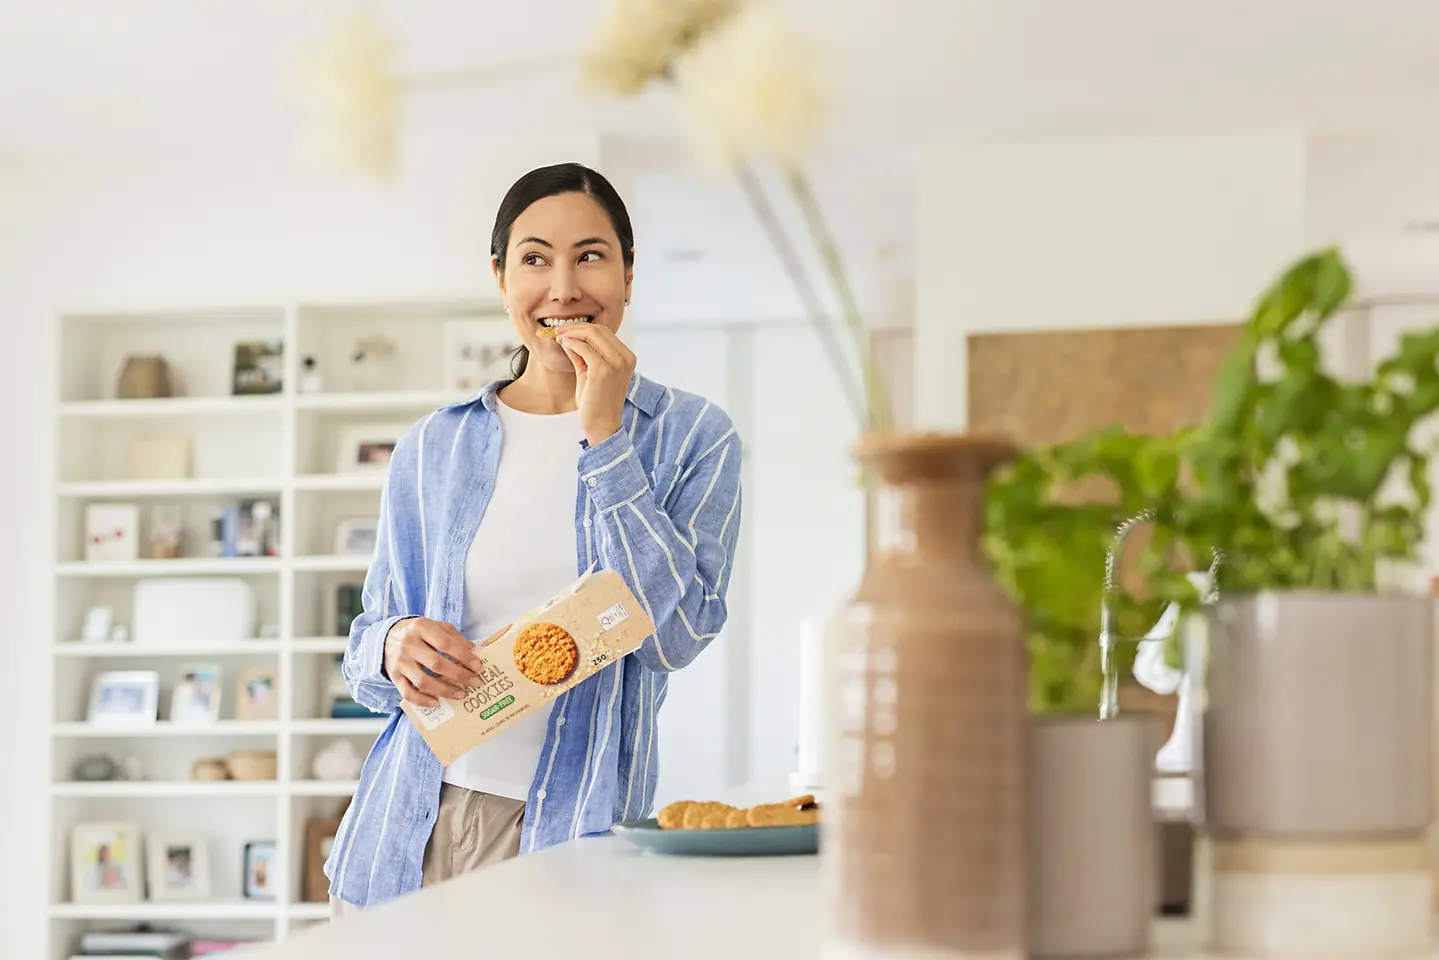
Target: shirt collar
{"points": [[643, 393]]}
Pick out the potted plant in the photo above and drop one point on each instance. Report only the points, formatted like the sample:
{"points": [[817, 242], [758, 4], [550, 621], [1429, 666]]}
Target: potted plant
{"points": [[1317, 662], [1053, 516], [1316, 670]]}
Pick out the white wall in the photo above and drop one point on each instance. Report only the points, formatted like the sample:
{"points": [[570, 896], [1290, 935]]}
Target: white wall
{"points": [[118, 232], [1094, 233]]}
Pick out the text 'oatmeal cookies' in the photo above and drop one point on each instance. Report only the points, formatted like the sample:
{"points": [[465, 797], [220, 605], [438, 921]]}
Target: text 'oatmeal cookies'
{"points": [[545, 653]]}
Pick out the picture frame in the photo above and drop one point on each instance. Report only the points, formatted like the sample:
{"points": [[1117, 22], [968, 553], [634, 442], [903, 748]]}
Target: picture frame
{"points": [[367, 447], [256, 694], [319, 838], [261, 878], [476, 351], [196, 698], [259, 368], [177, 866], [106, 863], [124, 698], [112, 532], [356, 537]]}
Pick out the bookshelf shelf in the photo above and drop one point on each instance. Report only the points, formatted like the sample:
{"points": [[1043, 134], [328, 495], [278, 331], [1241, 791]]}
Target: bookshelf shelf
{"points": [[287, 448]]}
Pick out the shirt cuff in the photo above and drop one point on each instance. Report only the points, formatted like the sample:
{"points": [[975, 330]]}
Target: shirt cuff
{"points": [[612, 473], [372, 648]]}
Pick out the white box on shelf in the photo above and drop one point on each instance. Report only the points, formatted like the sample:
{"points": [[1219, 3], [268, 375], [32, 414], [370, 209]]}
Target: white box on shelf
{"points": [[112, 532], [200, 610]]}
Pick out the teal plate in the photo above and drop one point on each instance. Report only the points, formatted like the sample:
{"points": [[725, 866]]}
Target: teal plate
{"points": [[741, 842]]}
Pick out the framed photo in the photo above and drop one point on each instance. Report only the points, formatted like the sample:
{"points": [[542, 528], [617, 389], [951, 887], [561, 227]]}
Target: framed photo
{"points": [[319, 839], [259, 367], [124, 698], [256, 695], [356, 536], [196, 698], [477, 351], [261, 868], [106, 863], [178, 866], [112, 532], [367, 447]]}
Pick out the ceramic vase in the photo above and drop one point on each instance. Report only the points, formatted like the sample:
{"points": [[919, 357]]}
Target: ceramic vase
{"points": [[1316, 774], [1093, 841], [924, 846]]}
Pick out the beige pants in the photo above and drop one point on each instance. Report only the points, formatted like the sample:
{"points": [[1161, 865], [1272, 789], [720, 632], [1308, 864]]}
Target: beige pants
{"points": [[472, 830]]}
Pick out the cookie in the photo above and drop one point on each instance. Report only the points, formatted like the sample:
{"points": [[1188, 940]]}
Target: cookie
{"points": [[781, 815], [548, 333], [672, 817], [736, 819], [545, 653], [707, 815]]}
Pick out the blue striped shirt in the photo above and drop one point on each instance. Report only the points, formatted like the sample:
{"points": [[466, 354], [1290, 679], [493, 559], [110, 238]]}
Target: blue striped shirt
{"points": [[659, 503]]}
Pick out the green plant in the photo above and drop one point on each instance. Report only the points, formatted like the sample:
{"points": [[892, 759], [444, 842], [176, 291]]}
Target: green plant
{"points": [[1302, 480]]}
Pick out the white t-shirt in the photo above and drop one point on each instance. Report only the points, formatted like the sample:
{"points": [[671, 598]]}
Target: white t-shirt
{"points": [[524, 552]]}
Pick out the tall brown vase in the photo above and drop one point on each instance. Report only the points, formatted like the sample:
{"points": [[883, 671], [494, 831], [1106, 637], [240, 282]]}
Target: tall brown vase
{"points": [[925, 834]]}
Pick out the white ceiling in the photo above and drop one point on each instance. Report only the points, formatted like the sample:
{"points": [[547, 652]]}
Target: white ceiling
{"points": [[88, 72], [103, 77]]}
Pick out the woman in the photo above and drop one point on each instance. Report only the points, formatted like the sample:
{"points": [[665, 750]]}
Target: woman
{"points": [[494, 504]]}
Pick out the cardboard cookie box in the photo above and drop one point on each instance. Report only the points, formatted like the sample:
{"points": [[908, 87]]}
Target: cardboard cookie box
{"points": [[593, 623]]}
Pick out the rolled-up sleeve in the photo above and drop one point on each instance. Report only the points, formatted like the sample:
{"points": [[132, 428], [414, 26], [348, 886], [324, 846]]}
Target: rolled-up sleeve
{"points": [[677, 558]]}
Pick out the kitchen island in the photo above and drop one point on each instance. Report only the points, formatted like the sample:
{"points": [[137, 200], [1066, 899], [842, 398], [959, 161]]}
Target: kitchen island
{"points": [[601, 899]]}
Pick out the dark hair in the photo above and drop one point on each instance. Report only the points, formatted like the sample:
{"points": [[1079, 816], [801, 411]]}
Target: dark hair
{"points": [[552, 181]]}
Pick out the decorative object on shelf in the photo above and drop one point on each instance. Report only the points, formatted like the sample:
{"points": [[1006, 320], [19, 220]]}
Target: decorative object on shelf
{"points": [[98, 621], [196, 698], [252, 764], [167, 532], [259, 368], [319, 838], [349, 604], [250, 528], [310, 379], [373, 363], [367, 447], [124, 698], [209, 769], [255, 697], [106, 863], [178, 866], [161, 456], [96, 768], [925, 850], [112, 532], [145, 377], [356, 537], [176, 611], [1090, 814], [339, 761], [477, 352], [260, 877]]}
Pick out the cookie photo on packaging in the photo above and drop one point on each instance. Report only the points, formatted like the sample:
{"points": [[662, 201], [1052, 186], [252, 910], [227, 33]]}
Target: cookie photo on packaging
{"points": [[587, 627]]}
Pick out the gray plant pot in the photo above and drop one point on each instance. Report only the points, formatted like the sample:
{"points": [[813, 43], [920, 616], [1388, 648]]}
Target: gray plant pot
{"points": [[1093, 852], [1318, 720], [1316, 774]]}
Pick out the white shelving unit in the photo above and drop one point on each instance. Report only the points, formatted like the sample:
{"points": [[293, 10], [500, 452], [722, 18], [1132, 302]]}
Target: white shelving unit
{"points": [[284, 448]]}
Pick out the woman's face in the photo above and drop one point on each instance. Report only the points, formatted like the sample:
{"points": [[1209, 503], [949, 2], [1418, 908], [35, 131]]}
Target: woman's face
{"points": [[564, 264]]}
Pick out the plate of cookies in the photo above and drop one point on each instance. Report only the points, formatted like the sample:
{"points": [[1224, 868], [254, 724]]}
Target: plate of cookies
{"points": [[710, 828]]}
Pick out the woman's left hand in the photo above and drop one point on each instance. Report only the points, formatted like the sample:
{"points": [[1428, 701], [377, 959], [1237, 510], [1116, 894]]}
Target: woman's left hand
{"points": [[603, 367]]}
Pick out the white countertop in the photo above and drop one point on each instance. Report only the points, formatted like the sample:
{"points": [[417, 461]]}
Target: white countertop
{"points": [[601, 899]]}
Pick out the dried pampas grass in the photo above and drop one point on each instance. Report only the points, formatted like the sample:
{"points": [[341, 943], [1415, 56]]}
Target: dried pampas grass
{"points": [[348, 79], [752, 87], [638, 40]]}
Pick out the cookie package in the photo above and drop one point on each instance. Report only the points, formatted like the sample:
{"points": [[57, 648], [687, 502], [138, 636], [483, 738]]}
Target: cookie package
{"points": [[590, 625]]}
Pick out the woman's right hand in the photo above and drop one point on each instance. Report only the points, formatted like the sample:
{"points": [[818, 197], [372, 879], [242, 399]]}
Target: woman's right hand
{"points": [[417, 643]]}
